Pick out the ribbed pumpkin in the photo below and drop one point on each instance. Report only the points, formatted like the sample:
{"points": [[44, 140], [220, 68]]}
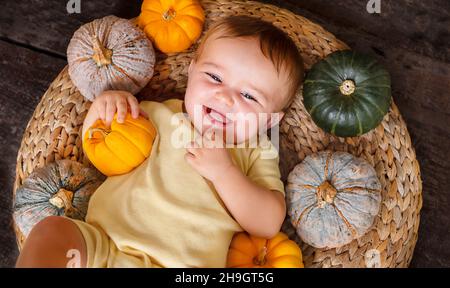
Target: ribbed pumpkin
{"points": [[172, 25], [120, 148], [347, 93], [332, 198], [110, 54], [61, 188], [247, 251]]}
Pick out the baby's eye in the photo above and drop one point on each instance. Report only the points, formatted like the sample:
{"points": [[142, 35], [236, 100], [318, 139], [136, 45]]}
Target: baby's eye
{"points": [[248, 96], [214, 77]]}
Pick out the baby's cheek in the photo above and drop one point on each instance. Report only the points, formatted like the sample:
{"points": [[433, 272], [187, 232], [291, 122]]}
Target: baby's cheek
{"points": [[245, 129], [199, 82]]}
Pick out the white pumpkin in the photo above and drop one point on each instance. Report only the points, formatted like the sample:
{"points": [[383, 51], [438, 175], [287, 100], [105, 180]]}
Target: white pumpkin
{"points": [[110, 54], [332, 198]]}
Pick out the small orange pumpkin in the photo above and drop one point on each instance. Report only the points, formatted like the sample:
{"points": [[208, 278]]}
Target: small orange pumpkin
{"points": [[121, 148], [247, 251], [172, 25]]}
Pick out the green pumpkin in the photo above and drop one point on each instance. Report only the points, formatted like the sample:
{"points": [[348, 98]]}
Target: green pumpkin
{"points": [[347, 94], [61, 188]]}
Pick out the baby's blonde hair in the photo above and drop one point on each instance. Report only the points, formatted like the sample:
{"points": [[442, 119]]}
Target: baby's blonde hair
{"points": [[274, 43]]}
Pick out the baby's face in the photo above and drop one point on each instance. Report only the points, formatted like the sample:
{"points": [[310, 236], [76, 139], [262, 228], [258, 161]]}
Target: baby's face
{"points": [[232, 87]]}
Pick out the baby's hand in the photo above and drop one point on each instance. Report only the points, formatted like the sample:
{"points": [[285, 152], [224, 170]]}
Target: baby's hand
{"points": [[109, 102], [211, 163]]}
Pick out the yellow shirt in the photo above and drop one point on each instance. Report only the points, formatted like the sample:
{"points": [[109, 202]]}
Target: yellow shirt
{"points": [[166, 209]]}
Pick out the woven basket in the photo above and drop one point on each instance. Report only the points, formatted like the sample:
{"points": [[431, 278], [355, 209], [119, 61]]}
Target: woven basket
{"points": [[55, 127]]}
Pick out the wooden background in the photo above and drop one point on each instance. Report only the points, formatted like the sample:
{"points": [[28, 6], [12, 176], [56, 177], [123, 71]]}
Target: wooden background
{"points": [[410, 37]]}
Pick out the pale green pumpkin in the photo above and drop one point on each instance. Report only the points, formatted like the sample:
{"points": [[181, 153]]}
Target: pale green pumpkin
{"points": [[61, 188], [332, 198]]}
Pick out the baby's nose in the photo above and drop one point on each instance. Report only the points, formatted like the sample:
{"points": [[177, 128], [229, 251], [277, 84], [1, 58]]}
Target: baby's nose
{"points": [[226, 97]]}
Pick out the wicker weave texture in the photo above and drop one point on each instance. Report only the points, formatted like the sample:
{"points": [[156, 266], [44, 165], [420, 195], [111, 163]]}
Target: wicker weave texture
{"points": [[54, 132]]}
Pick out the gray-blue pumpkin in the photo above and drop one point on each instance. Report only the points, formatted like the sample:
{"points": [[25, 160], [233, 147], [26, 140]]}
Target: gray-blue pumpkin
{"points": [[332, 198], [61, 188]]}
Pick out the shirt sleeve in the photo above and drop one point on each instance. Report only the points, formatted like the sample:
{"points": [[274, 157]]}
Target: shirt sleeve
{"points": [[263, 167]]}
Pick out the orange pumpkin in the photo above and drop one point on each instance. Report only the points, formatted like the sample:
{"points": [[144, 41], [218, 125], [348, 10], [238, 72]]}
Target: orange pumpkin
{"points": [[172, 25], [247, 251], [121, 148]]}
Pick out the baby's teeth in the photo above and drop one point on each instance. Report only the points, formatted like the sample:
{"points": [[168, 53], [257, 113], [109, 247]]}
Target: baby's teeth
{"points": [[216, 116]]}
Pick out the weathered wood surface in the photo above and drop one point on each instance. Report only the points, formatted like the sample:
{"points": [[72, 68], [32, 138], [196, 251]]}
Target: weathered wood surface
{"points": [[410, 37], [25, 75]]}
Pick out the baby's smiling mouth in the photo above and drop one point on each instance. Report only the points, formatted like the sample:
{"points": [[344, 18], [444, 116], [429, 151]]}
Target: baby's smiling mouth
{"points": [[215, 117]]}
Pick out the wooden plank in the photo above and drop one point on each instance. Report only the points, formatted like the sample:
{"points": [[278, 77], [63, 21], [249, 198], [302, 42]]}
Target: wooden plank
{"points": [[432, 148], [25, 76], [418, 26], [46, 25]]}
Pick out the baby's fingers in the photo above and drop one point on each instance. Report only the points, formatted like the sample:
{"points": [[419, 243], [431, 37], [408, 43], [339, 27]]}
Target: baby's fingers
{"points": [[143, 113], [100, 107], [134, 106], [122, 108], [192, 147], [190, 158], [110, 111]]}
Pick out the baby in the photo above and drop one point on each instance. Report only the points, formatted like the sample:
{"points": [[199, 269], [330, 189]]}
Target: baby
{"points": [[182, 205]]}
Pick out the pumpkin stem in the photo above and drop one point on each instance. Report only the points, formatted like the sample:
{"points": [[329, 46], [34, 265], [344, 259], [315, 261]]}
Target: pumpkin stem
{"points": [[347, 87], [92, 130], [261, 258], [326, 193], [102, 55], [169, 14], [62, 199]]}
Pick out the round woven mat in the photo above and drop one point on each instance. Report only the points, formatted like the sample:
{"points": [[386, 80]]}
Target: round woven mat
{"points": [[55, 127]]}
